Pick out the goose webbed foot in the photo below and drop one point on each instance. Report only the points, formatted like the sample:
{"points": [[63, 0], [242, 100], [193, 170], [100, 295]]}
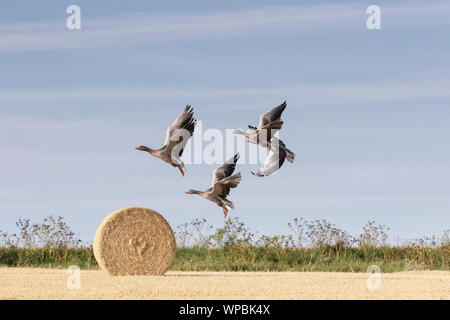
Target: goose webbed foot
{"points": [[181, 170], [225, 212]]}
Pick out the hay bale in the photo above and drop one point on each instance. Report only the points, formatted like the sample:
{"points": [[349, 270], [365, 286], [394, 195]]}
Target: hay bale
{"points": [[134, 241]]}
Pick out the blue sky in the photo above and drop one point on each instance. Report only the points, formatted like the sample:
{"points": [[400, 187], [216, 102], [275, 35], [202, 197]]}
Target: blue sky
{"points": [[368, 111]]}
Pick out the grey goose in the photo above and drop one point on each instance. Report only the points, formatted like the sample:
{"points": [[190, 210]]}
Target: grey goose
{"points": [[222, 182], [177, 136]]}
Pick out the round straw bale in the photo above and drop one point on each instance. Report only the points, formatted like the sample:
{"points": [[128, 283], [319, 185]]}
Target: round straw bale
{"points": [[134, 241]]}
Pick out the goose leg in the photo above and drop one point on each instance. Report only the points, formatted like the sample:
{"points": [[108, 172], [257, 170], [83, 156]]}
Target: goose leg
{"points": [[225, 211], [181, 170]]}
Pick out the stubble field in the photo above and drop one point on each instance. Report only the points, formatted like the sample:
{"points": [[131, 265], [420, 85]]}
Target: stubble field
{"points": [[37, 283]]}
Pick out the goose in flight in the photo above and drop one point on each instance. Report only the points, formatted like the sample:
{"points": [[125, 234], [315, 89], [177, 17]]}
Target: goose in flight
{"points": [[222, 182], [177, 136], [269, 123], [277, 155]]}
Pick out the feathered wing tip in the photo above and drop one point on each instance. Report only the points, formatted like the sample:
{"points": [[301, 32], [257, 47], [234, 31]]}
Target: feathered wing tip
{"points": [[252, 127], [229, 203], [185, 121], [189, 109], [290, 156], [259, 174], [238, 177], [279, 109], [191, 121], [233, 181], [234, 159]]}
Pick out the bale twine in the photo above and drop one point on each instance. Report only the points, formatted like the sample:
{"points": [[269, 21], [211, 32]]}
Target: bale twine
{"points": [[134, 241]]}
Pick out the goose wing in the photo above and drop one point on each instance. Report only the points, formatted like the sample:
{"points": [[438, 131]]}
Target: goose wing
{"points": [[222, 187], [275, 159], [226, 169], [223, 180], [180, 131], [272, 115]]}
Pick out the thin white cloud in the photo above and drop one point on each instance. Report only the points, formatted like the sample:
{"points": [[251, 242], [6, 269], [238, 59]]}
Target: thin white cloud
{"points": [[27, 123], [349, 200], [142, 28], [303, 95], [124, 30]]}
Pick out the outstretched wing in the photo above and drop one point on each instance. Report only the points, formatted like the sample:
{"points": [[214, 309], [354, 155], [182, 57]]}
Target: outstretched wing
{"points": [[223, 180], [222, 187], [180, 131], [226, 169], [272, 115], [275, 159]]}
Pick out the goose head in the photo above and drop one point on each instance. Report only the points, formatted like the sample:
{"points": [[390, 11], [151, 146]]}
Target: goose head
{"points": [[190, 191], [144, 148]]}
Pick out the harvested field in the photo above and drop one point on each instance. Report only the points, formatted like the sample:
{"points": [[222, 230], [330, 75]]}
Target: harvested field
{"points": [[36, 283]]}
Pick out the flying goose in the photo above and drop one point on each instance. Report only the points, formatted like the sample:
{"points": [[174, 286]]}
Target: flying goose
{"points": [[177, 136], [277, 155], [269, 123], [222, 182]]}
